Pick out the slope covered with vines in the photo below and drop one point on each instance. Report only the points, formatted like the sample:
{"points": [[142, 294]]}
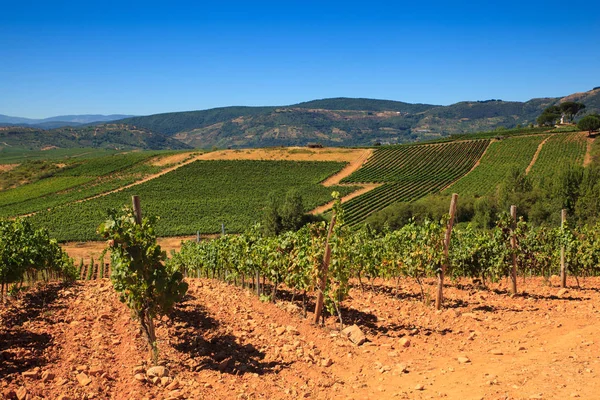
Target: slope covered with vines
{"points": [[496, 163], [410, 172]]}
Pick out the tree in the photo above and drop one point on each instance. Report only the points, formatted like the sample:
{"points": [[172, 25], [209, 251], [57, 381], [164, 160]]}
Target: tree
{"points": [[549, 116], [139, 274], [589, 123], [292, 211], [569, 109]]}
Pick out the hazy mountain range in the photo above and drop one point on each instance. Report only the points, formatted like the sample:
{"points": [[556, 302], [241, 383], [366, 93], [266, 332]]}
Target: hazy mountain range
{"points": [[332, 122]]}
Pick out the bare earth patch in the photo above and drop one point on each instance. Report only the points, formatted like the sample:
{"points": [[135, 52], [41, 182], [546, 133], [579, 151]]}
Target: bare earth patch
{"points": [[163, 161], [536, 154], [287, 153], [223, 343]]}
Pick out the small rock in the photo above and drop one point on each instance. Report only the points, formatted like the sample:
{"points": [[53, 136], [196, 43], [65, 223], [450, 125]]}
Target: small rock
{"points": [[140, 377], [155, 380], [32, 373], [404, 342], [21, 393], [208, 386], [175, 394], [97, 370], [496, 352], [463, 359], [575, 394], [173, 385], [47, 376], [355, 335], [279, 331], [157, 371], [419, 387], [326, 362], [164, 381], [83, 379], [292, 330], [562, 292], [138, 370], [63, 397]]}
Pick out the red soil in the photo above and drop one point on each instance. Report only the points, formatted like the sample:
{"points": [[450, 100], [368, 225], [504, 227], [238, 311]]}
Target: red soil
{"points": [[223, 343]]}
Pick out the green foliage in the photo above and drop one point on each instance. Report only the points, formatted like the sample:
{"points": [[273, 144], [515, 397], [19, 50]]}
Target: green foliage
{"points": [[145, 284], [589, 123], [550, 116], [413, 172], [560, 152], [500, 158], [78, 180], [27, 252], [570, 109], [202, 195]]}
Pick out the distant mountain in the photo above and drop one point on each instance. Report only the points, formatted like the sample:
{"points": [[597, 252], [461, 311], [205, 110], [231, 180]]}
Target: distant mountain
{"points": [[109, 136], [61, 120], [331, 122]]}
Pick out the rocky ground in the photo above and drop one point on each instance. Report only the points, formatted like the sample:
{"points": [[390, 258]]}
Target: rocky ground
{"points": [[222, 342]]}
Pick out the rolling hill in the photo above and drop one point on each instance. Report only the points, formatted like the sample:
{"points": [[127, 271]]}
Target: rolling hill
{"points": [[330, 122]]}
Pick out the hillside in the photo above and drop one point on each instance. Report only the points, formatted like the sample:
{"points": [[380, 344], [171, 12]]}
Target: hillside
{"points": [[347, 121], [331, 122], [107, 136]]}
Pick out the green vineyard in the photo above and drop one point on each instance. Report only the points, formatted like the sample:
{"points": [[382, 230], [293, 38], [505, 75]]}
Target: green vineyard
{"points": [[76, 181], [498, 160], [200, 197], [409, 173], [558, 153]]}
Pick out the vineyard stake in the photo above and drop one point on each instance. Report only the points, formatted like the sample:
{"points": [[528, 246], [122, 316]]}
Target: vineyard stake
{"points": [[323, 273], [440, 292], [563, 268], [513, 245], [137, 209]]}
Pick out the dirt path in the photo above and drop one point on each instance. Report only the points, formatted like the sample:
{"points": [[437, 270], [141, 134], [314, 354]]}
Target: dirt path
{"points": [[471, 170], [365, 187], [536, 155], [587, 160], [222, 342], [349, 169]]}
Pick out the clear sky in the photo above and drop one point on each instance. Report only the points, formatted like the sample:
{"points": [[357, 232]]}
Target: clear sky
{"points": [[143, 57]]}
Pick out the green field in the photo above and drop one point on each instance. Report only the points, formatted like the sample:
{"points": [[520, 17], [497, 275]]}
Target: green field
{"points": [[200, 196], [498, 160], [560, 152], [76, 181], [410, 172]]}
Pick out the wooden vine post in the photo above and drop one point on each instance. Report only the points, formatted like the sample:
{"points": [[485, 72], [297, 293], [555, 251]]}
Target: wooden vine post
{"points": [[563, 268], [440, 289], [322, 284], [137, 209], [513, 245]]}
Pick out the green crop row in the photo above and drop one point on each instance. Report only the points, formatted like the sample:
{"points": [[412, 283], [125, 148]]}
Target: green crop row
{"points": [[496, 163], [200, 197], [558, 153]]}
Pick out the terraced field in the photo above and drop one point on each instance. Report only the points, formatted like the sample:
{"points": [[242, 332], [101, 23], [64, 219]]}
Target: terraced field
{"points": [[200, 196], [410, 172], [77, 181], [500, 157], [558, 153]]}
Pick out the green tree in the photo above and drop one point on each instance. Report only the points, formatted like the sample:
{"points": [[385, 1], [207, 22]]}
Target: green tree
{"points": [[292, 211], [589, 123], [569, 109], [549, 116]]}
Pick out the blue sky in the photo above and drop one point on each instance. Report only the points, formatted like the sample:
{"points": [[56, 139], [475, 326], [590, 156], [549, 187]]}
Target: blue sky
{"points": [[136, 57]]}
